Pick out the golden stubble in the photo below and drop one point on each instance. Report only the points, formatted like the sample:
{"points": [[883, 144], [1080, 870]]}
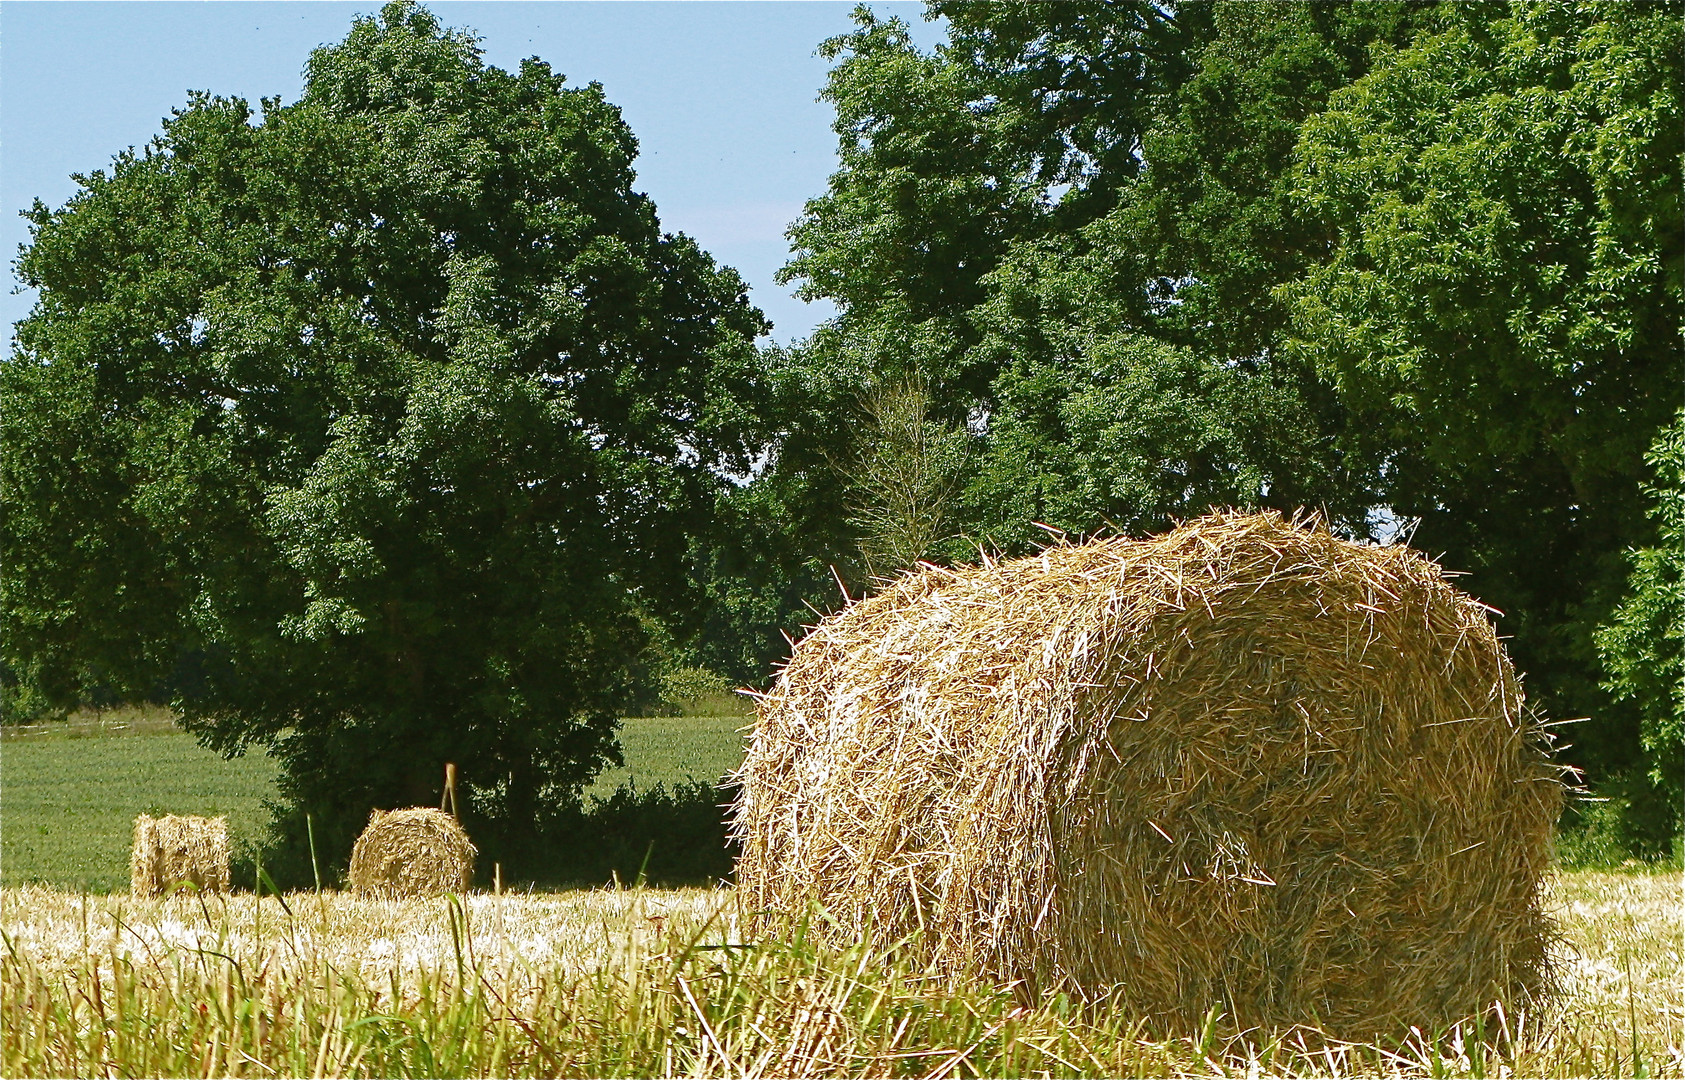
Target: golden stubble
{"points": [[632, 956]]}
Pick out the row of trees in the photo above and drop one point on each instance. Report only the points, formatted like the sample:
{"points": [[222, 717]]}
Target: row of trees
{"points": [[388, 427]]}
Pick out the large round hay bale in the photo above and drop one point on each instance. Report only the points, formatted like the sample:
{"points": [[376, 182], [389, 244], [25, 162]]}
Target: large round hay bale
{"points": [[1245, 765], [172, 851], [415, 852]]}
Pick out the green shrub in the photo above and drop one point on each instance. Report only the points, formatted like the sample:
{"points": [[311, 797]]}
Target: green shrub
{"points": [[1643, 648]]}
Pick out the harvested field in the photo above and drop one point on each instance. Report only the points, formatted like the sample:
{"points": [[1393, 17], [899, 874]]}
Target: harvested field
{"points": [[625, 983]]}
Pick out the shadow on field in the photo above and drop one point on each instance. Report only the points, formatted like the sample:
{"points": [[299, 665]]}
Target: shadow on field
{"points": [[660, 836]]}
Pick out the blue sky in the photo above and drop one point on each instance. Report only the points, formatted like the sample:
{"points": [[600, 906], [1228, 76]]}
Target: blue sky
{"points": [[722, 97]]}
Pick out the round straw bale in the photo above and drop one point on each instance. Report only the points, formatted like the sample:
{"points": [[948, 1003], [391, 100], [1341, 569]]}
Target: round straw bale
{"points": [[416, 852], [1246, 765], [171, 851]]}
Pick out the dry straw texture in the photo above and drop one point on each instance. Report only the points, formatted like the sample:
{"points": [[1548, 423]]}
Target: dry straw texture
{"points": [[416, 852], [1244, 765], [171, 850]]}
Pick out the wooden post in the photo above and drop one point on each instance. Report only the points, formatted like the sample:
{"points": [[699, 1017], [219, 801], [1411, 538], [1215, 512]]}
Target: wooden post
{"points": [[448, 799]]}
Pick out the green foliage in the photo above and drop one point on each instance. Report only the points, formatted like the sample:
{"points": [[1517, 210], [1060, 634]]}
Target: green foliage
{"points": [[394, 410], [940, 176], [1129, 435], [1643, 647], [681, 684], [1500, 309], [691, 690], [1606, 832], [1097, 422], [658, 835], [1503, 199], [906, 476], [994, 236], [22, 702], [1212, 226], [765, 569]]}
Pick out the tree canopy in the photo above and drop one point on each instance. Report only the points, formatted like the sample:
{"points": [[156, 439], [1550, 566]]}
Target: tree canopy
{"points": [[1069, 221], [1500, 309], [380, 424]]}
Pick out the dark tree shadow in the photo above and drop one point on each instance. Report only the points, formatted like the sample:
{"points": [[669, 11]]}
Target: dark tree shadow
{"points": [[660, 836]]}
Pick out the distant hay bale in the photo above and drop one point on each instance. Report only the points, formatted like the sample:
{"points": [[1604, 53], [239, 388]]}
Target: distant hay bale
{"points": [[170, 851], [1245, 765], [416, 852]]}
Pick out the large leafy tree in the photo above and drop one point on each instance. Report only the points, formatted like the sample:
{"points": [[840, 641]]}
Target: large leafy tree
{"points": [[385, 419], [1501, 307], [1143, 325], [1068, 222]]}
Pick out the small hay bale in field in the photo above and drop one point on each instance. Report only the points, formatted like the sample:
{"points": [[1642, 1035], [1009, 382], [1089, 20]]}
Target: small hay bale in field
{"points": [[416, 852], [1245, 765], [172, 850]]}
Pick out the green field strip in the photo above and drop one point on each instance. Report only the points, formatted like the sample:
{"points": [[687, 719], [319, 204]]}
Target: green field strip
{"points": [[69, 796]]}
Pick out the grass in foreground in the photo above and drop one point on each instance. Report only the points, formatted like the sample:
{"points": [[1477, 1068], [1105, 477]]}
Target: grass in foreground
{"points": [[650, 982]]}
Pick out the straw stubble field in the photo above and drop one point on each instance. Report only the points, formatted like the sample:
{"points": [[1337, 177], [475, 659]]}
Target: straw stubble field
{"points": [[659, 982]]}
